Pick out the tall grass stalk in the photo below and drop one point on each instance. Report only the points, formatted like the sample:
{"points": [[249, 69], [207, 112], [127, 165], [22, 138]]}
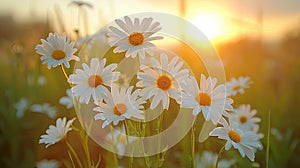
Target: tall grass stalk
{"points": [[74, 154]]}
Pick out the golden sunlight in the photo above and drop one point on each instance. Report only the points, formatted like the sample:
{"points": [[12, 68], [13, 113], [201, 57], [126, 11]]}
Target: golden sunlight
{"points": [[211, 24]]}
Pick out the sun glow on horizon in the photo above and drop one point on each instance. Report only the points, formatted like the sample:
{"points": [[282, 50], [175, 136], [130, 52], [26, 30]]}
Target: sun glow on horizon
{"points": [[211, 24]]}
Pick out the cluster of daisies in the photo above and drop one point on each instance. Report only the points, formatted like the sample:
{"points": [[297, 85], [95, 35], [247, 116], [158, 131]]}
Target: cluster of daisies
{"points": [[161, 77]]}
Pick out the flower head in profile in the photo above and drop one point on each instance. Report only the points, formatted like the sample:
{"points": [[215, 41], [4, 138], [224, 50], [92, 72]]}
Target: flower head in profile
{"points": [[57, 50], [119, 104], [208, 98], [56, 133], [91, 81], [235, 86], [67, 100], [135, 36], [244, 116], [44, 108], [48, 164], [246, 142], [209, 159], [160, 80]]}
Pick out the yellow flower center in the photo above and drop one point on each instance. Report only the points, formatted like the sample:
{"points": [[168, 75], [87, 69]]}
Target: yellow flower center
{"points": [[164, 82], [58, 54], [243, 119], [234, 136], [203, 99], [119, 109], [94, 81], [237, 87], [136, 38]]}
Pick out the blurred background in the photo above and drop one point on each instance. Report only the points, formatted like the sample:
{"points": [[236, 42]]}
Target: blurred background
{"points": [[257, 38]]}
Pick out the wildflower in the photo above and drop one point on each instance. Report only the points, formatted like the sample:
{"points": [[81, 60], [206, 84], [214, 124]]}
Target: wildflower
{"points": [[134, 37], [48, 164], [56, 133], [244, 116], [57, 50], [44, 108], [235, 86], [67, 100], [91, 81], [246, 142], [120, 104], [208, 99], [209, 159], [21, 106], [119, 138], [161, 80]]}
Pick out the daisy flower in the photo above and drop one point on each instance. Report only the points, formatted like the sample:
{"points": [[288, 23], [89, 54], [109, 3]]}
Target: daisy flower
{"points": [[47, 164], [91, 81], [160, 80], [134, 37], [120, 104], [246, 142], [244, 116], [209, 160], [56, 133], [57, 50], [209, 99], [235, 86], [21, 106], [44, 108], [118, 137], [67, 100]]}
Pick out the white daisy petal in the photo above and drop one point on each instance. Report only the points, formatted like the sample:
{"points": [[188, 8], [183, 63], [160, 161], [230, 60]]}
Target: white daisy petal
{"points": [[161, 81], [56, 133], [133, 38], [91, 81], [120, 104], [211, 100], [245, 142], [57, 50]]}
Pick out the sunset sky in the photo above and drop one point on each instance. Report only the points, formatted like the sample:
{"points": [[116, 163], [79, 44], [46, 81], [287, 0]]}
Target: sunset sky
{"points": [[218, 19]]}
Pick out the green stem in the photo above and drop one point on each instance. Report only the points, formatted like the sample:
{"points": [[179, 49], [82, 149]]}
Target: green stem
{"points": [[86, 148], [74, 153], [219, 155], [193, 145], [268, 139], [159, 129], [115, 146], [127, 134], [65, 74], [72, 161]]}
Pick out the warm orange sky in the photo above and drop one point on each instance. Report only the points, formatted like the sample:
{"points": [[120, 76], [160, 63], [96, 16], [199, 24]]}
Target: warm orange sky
{"points": [[223, 19]]}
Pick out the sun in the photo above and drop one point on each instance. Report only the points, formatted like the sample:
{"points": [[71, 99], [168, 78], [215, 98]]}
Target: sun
{"points": [[209, 23]]}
